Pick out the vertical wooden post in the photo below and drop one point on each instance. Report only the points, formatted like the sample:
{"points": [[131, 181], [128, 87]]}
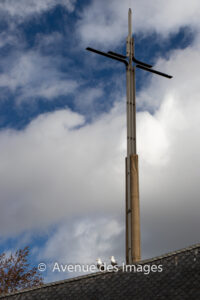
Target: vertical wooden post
{"points": [[133, 251], [135, 209]]}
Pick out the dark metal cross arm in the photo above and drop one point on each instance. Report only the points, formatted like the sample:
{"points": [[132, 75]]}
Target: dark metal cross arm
{"points": [[154, 71], [117, 54], [121, 58], [134, 59], [108, 55], [141, 63]]}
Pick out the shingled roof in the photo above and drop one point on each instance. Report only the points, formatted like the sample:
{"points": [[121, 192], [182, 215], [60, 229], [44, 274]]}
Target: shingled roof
{"points": [[180, 279]]}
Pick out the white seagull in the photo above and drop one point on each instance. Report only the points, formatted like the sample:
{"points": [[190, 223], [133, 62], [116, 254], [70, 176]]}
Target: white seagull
{"points": [[113, 261], [100, 265]]}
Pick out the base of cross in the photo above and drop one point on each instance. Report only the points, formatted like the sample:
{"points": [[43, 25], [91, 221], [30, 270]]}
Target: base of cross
{"points": [[133, 247]]}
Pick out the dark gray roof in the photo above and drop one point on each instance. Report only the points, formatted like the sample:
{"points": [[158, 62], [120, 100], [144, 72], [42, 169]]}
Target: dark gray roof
{"points": [[180, 279]]}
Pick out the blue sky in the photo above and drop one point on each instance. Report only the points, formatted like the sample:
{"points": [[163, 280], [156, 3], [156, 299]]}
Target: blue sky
{"points": [[63, 128]]}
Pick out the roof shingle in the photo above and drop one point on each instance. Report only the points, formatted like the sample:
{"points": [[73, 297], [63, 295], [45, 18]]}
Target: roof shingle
{"points": [[180, 279]]}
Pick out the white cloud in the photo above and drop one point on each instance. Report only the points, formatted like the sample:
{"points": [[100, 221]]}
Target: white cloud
{"points": [[13, 13], [82, 242], [44, 164], [22, 8], [32, 75], [183, 65], [86, 240], [6, 38], [86, 100], [170, 188], [155, 145], [105, 22]]}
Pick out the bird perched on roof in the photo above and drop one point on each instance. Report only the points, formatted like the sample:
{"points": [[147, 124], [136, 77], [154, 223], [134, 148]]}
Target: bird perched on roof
{"points": [[100, 265], [113, 261]]}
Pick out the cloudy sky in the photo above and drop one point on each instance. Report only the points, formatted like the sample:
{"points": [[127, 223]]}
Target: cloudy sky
{"points": [[63, 128]]}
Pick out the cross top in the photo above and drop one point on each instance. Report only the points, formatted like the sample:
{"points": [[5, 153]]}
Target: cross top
{"points": [[130, 53]]}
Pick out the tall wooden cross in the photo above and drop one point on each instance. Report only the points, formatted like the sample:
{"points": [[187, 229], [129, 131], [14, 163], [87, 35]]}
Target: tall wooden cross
{"points": [[133, 245]]}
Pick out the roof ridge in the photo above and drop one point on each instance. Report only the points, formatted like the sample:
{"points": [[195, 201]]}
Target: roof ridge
{"points": [[100, 273]]}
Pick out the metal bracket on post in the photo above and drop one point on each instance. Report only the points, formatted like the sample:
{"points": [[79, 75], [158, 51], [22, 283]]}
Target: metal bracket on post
{"points": [[129, 47]]}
